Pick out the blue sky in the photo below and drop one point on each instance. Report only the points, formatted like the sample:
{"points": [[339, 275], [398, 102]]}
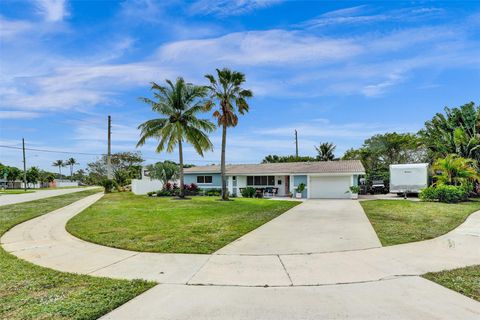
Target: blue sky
{"points": [[337, 71]]}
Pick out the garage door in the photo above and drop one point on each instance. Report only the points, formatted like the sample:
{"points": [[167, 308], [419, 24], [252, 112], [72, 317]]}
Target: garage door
{"points": [[329, 187]]}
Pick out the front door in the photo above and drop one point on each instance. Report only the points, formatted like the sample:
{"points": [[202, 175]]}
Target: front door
{"points": [[287, 185]]}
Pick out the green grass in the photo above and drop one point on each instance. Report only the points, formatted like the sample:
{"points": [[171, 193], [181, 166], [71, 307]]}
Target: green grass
{"points": [[28, 291], [463, 280], [15, 191], [199, 225], [402, 221]]}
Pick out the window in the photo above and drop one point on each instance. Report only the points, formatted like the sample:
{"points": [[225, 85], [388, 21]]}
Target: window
{"points": [[260, 180], [204, 179]]}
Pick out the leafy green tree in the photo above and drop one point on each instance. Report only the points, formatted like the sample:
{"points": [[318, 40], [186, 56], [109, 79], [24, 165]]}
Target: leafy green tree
{"points": [[164, 171], [455, 170], [178, 105], [33, 175], [79, 176], [381, 150], [13, 174], [455, 132], [71, 162], [125, 166], [291, 158], [227, 91], [326, 151], [59, 164]]}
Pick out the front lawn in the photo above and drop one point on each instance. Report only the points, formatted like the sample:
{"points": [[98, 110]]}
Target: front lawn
{"points": [[200, 225], [28, 291], [463, 280], [401, 221]]}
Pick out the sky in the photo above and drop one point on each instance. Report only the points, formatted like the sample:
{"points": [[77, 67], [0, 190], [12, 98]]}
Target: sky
{"points": [[336, 71]]}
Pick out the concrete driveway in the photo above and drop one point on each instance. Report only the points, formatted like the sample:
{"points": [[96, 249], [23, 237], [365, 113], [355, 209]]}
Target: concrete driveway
{"points": [[315, 226], [38, 194], [376, 283]]}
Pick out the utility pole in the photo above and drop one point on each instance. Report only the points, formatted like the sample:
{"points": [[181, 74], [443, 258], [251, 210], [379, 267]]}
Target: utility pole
{"points": [[109, 155], [296, 143], [24, 166]]}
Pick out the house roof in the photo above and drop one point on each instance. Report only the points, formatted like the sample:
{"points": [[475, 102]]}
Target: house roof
{"points": [[340, 166]]}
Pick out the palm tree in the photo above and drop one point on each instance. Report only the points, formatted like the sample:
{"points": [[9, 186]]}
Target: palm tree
{"points": [[71, 162], [325, 151], [455, 170], [179, 104], [231, 97], [59, 164]]}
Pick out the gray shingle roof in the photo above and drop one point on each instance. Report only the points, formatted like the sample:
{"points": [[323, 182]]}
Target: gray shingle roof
{"points": [[341, 166]]}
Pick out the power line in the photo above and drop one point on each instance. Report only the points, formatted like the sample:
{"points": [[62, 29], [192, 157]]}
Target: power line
{"points": [[53, 151], [101, 154]]}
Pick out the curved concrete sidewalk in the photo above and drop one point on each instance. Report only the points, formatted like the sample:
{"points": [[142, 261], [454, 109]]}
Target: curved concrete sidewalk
{"points": [[45, 241], [7, 199]]}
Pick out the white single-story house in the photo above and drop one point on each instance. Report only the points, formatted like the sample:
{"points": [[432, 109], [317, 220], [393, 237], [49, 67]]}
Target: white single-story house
{"points": [[322, 179]]}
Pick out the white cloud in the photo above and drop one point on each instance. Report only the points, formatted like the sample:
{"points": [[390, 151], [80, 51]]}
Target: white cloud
{"points": [[18, 115], [52, 10], [11, 28], [229, 7], [260, 48]]}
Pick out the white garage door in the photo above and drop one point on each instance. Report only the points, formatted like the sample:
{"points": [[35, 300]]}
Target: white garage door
{"points": [[329, 187]]}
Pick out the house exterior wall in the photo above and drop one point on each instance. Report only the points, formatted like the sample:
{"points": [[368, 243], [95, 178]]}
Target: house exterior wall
{"points": [[190, 178]]}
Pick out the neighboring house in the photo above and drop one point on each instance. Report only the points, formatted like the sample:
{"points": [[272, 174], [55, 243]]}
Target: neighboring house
{"points": [[323, 179]]}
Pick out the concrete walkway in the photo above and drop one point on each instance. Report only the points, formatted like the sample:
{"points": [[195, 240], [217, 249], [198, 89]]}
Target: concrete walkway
{"points": [[7, 199], [378, 283], [315, 226]]}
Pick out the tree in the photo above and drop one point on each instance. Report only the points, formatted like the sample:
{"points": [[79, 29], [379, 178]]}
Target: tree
{"points": [[381, 150], [456, 132], [46, 177], [455, 170], [59, 164], [325, 151], [232, 98], [33, 175], [178, 104], [71, 162], [283, 159], [125, 166], [164, 171], [79, 176], [13, 174]]}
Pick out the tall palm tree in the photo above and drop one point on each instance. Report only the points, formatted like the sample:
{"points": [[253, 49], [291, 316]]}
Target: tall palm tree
{"points": [[227, 91], [455, 170], [59, 164], [178, 104], [71, 162], [325, 151]]}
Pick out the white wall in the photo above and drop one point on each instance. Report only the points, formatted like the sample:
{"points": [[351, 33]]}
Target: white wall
{"points": [[65, 183], [145, 185]]}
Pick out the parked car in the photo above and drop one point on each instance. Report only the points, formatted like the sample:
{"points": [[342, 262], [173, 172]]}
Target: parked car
{"points": [[378, 186], [408, 178]]}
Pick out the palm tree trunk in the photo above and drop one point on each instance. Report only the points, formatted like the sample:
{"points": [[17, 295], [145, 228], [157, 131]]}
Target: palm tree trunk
{"points": [[71, 171], [222, 170], [180, 151]]}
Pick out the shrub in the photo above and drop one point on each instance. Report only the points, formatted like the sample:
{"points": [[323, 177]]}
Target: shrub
{"points": [[248, 192], [451, 194], [108, 185], [444, 193], [165, 193], [209, 192], [429, 194], [191, 189]]}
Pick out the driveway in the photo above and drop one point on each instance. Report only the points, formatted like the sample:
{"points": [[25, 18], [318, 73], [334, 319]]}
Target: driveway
{"points": [[315, 226], [38, 194], [376, 283]]}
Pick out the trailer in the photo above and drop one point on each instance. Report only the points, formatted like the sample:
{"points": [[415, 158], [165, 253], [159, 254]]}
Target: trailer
{"points": [[408, 178]]}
